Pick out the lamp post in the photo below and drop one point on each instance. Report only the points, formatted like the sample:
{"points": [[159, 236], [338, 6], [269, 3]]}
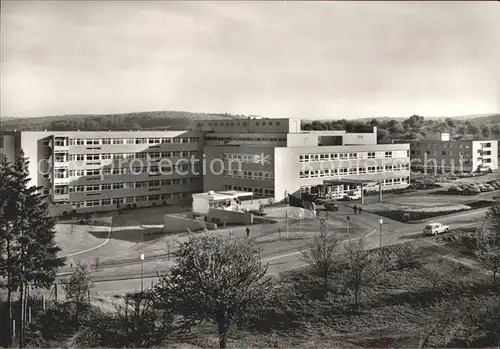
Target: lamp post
{"points": [[381, 221], [142, 272]]}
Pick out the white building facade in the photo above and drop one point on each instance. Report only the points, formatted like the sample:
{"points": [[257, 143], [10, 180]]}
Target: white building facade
{"points": [[105, 170]]}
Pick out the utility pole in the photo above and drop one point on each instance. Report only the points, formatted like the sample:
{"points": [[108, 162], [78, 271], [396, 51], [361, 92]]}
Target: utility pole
{"points": [[286, 215], [380, 191], [348, 224], [142, 272], [381, 221]]}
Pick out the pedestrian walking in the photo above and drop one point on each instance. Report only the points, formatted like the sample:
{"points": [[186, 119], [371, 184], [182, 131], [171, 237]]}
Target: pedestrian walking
{"points": [[355, 209], [248, 232], [359, 210]]}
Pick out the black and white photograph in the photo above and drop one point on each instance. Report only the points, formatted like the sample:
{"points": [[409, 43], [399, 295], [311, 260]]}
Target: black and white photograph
{"points": [[249, 174]]}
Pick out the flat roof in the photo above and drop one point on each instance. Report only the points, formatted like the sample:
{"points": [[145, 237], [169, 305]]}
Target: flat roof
{"points": [[223, 195], [348, 181]]}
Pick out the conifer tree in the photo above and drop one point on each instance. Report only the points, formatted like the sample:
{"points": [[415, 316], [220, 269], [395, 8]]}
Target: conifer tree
{"points": [[31, 250]]}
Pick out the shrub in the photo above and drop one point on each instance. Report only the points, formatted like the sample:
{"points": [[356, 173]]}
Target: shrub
{"points": [[407, 256], [65, 213], [129, 206], [55, 323], [134, 205]]}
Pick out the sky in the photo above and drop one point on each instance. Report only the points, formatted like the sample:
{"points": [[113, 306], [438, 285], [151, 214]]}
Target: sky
{"points": [[311, 60]]}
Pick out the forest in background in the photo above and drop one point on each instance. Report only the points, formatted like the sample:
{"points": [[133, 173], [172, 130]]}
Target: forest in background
{"points": [[414, 127]]}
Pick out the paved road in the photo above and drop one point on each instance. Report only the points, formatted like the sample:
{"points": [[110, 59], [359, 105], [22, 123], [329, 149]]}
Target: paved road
{"points": [[281, 254]]}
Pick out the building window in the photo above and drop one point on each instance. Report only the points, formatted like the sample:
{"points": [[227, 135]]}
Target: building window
{"points": [[388, 154], [92, 142], [106, 202], [117, 185], [91, 157], [106, 186], [106, 141], [141, 198], [93, 187], [371, 155], [92, 203]]}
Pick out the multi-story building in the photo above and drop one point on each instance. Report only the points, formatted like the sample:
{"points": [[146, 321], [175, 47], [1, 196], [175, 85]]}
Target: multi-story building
{"points": [[454, 156], [89, 171], [273, 157]]}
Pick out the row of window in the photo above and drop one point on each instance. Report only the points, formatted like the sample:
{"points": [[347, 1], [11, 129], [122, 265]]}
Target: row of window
{"points": [[444, 145], [122, 185], [124, 171], [242, 123], [248, 158], [259, 175], [257, 192], [131, 200], [443, 153], [343, 156], [62, 173], [116, 156], [341, 188], [107, 141], [330, 172], [246, 138]]}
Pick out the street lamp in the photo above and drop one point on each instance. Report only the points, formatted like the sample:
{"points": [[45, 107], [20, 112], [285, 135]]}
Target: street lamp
{"points": [[142, 272], [381, 221]]}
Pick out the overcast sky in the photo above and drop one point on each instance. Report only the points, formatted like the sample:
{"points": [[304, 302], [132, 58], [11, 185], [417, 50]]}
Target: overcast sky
{"points": [[277, 59]]}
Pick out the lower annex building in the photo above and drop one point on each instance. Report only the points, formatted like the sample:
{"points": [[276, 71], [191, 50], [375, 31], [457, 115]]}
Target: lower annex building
{"points": [[105, 170]]}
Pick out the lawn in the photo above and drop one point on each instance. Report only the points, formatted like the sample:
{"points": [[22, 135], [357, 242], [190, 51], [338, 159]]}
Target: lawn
{"points": [[75, 238], [394, 312]]}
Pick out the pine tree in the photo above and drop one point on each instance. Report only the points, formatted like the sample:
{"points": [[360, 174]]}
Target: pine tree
{"points": [[31, 252], [6, 231]]}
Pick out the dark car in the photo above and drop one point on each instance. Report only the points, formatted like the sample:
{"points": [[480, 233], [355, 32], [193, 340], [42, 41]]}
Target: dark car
{"points": [[331, 206]]}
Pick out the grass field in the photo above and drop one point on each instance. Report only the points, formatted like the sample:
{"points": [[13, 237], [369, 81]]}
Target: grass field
{"points": [[395, 312]]}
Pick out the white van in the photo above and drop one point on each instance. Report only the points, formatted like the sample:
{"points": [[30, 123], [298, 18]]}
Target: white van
{"points": [[352, 195]]}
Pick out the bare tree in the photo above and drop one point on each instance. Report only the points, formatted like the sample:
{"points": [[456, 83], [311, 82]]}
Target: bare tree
{"points": [[321, 254], [214, 279], [78, 287], [363, 267]]}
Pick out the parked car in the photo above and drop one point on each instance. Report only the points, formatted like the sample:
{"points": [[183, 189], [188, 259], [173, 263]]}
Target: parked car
{"points": [[352, 195], [436, 228], [319, 200], [482, 187], [454, 189], [495, 185], [331, 206], [473, 190], [489, 187]]}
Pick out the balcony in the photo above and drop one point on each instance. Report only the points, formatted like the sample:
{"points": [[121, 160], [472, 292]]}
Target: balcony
{"points": [[61, 164], [60, 197], [61, 181]]}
